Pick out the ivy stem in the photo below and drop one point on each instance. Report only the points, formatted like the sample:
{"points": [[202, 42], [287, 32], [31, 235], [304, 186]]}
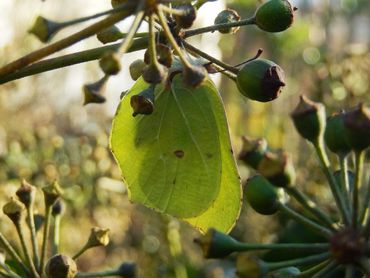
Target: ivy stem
{"points": [[304, 220], [133, 29], [325, 165], [31, 225], [152, 46], [70, 59], [94, 16], [171, 39], [80, 252], [226, 73], [326, 270], [345, 181], [10, 250], [359, 162], [308, 247], [171, 11], [30, 262], [68, 41], [56, 234], [209, 57], [299, 262], [48, 211], [312, 270], [212, 28], [310, 206], [365, 207]]}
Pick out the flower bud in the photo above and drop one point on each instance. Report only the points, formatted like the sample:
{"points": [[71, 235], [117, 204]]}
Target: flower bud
{"points": [[309, 119], [215, 244], [136, 69], [186, 20], [98, 237], [164, 55], [93, 91], [194, 76], [127, 270], [275, 15], [61, 266], [26, 193], [110, 34], [143, 103], [252, 151], [357, 127], [51, 194], [250, 267], [45, 29], [261, 195], [260, 80], [110, 63], [14, 209], [334, 136], [278, 168], [227, 16]]}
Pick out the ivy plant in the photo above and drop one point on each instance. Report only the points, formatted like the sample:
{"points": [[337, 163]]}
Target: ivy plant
{"points": [[170, 135]]}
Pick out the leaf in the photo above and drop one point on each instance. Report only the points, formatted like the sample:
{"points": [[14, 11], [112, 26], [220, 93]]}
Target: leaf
{"points": [[224, 212], [177, 159]]}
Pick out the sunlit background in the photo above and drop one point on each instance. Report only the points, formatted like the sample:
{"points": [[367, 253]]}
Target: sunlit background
{"points": [[47, 134]]}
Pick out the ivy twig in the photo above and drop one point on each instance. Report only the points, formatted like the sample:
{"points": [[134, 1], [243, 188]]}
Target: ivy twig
{"points": [[68, 41], [212, 28], [70, 59]]}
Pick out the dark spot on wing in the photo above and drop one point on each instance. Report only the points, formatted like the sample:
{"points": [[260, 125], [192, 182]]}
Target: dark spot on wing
{"points": [[179, 153], [209, 155]]}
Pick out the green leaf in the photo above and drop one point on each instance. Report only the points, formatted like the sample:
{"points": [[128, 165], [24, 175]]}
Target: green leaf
{"points": [[224, 212], [177, 159]]}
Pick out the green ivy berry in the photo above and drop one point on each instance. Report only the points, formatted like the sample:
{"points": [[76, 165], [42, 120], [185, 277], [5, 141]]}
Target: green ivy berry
{"points": [[260, 80], [227, 16], [261, 195], [136, 69], [275, 16], [334, 136], [309, 118], [357, 127]]}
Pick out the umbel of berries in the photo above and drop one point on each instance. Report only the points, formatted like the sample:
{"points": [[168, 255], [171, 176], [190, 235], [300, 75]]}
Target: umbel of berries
{"points": [[260, 80], [275, 16]]}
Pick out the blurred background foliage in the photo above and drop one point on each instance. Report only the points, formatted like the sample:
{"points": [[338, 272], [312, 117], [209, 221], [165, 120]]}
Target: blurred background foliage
{"points": [[46, 133]]}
